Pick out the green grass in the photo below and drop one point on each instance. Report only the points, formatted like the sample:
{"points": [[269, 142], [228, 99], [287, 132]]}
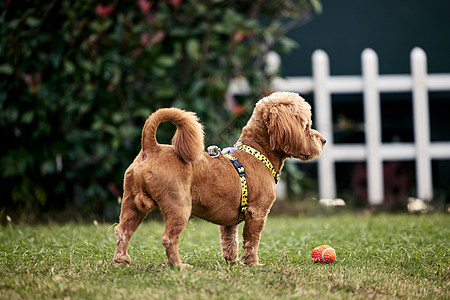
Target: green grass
{"points": [[378, 256]]}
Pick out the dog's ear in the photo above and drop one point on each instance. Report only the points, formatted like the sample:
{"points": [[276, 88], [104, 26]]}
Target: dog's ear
{"points": [[286, 128]]}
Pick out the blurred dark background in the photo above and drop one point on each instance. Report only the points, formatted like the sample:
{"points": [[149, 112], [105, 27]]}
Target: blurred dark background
{"points": [[79, 78]]}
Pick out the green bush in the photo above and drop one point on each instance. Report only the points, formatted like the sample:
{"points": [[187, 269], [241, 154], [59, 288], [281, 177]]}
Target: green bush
{"points": [[79, 78]]}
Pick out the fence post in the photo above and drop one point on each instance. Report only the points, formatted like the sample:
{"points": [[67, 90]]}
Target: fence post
{"points": [[372, 124], [424, 180], [324, 122]]}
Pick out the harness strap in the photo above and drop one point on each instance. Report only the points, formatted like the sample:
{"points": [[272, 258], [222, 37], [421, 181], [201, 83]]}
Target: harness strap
{"points": [[244, 191], [262, 158]]}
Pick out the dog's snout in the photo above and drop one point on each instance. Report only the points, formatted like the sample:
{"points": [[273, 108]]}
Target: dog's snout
{"points": [[324, 141]]}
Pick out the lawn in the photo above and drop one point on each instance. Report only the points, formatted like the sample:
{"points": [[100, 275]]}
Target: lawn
{"points": [[379, 256]]}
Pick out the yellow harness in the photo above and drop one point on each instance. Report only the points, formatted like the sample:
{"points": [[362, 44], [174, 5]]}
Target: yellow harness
{"points": [[261, 157], [216, 152]]}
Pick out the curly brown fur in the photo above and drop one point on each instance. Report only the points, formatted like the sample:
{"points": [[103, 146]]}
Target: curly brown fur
{"points": [[182, 180]]}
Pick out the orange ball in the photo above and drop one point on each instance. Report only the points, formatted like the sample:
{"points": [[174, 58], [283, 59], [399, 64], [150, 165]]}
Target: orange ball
{"points": [[323, 254]]}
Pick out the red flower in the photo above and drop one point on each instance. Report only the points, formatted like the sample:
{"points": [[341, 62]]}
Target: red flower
{"points": [[145, 37], [236, 108], [103, 11], [175, 2], [239, 109], [144, 5], [157, 37], [33, 82], [114, 189], [238, 36]]}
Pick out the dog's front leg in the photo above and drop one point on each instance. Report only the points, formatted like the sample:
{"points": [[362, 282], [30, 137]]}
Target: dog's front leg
{"points": [[254, 224], [229, 243]]}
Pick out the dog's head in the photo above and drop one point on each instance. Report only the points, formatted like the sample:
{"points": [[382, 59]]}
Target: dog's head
{"points": [[287, 118]]}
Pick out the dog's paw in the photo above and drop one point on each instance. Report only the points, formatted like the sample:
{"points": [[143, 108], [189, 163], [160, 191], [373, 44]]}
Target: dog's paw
{"points": [[231, 261], [185, 266], [252, 264], [250, 261], [180, 266], [123, 259]]}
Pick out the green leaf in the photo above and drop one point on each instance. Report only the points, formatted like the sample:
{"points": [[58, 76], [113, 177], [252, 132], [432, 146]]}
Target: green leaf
{"points": [[221, 28], [287, 44], [159, 72], [86, 65], [317, 6], [117, 117], [69, 67], [193, 49], [165, 92], [48, 167], [97, 125], [180, 31], [111, 129], [166, 61], [196, 88], [13, 24], [33, 22], [142, 112], [6, 69], [28, 117]]}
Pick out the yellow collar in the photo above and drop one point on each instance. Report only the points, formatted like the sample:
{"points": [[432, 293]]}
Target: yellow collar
{"points": [[261, 157]]}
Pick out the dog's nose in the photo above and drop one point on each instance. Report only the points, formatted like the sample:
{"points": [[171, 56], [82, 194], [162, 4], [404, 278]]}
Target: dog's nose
{"points": [[324, 141]]}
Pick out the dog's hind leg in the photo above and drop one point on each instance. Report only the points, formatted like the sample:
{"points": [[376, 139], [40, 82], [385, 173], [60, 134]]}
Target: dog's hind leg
{"points": [[229, 243], [134, 210], [176, 213]]}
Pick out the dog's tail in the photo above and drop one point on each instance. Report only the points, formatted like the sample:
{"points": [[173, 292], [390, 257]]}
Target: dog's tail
{"points": [[188, 139]]}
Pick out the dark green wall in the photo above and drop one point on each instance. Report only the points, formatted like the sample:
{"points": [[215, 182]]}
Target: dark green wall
{"points": [[390, 27]]}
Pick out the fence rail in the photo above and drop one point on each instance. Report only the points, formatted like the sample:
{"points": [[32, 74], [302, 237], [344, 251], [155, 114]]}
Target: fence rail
{"points": [[373, 151], [371, 84]]}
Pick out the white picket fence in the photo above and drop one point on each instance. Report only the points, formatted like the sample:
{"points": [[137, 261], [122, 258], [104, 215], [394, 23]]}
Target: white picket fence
{"points": [[373, 152]]}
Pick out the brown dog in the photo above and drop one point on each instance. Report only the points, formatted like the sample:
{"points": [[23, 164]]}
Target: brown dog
{"points": [[182, 180]]}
